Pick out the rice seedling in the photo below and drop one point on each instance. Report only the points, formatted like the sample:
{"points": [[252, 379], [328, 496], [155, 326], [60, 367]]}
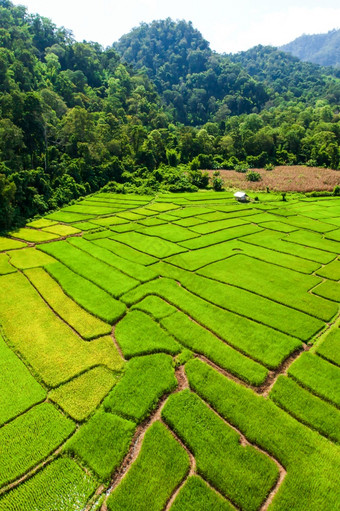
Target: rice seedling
{"points": [[138, 334], [60, 485], [317, 375], [196, 494], [24, 448], [81, 396], [89, 296], [102, 443], [18, 389], [244, 475], [306, 407], [145, 381], [158, 470]]}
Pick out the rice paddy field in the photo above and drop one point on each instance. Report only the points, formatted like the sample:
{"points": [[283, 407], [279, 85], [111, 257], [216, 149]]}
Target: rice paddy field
{"points": [[178, 352]]}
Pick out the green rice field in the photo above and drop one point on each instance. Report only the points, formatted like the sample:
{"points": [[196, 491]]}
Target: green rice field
{"points": [[178, 352]]}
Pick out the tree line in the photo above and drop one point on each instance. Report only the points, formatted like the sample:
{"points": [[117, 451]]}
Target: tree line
{"points": [[75, 116]]}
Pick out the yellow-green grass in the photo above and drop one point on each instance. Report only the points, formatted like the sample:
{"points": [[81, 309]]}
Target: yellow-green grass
{"points": [[29, 439], [103, 275], [102, 443], [329, 290], [139, 199], [189, 222], [41, 223], [213, 216], [308, 223], [62, 485], [18, 389], [165, 198], [81, 396], [114, 204], [261, 217], [334, 235], [150, 245], [203, 342], [144, 382], [147, 222], [138, 334], [277, 226], [130, 215], [155, 306], [279, 284], [330, 347], [314, 240], [223, 197], [53, 350], [67, 217], [169, 232], [317, 375], [29, 258], [62, 230], [145, 211], [9, 244], [196, 259], [124, 228], [33, 235], [89, 296], [245, 303], [107, 203], [220, 236], [276, 241], [126, 252], [88, 208], [166, 217], [311, 461], [5, 267], [307, 408], [159, 469], [241, 473], [133, 269], [109, 220], [263, 344], [219, 225], [330, 271], [230, 212], [196, 494], [97, 235], [162, 206], [87, 326], [191, 211], [85, 226]]}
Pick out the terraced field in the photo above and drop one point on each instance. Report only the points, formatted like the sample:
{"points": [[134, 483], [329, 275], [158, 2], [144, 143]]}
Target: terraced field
{"points": [[178, 352]]}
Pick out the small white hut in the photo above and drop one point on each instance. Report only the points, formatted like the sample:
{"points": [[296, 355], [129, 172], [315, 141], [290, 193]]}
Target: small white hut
{"points": [[241, 196]]}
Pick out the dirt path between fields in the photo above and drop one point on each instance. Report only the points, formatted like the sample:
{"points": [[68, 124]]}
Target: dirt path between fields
{"points": [[137, 440]]}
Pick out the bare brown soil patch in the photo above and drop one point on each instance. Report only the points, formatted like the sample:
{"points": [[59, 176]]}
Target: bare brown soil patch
{"points": [[297, 178]]}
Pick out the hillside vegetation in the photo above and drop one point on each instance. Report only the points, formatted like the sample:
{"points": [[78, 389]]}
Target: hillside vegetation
{"points": [[75, 116], [323, 49]]}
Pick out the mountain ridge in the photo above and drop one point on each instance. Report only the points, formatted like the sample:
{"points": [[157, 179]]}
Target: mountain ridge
{"points": [[322, 49], [75, 116]]}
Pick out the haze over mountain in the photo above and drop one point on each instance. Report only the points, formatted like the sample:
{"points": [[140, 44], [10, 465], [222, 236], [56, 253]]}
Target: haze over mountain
{"points": [[323, 49]]}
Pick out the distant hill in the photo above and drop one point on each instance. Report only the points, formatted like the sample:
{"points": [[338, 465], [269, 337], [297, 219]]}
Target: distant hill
{"points": [[323, 49], [198, 85], [286, 75], [194, 82]]}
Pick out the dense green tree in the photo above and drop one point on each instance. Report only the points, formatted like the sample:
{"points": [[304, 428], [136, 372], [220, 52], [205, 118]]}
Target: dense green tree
{"points": [[75, 116]]}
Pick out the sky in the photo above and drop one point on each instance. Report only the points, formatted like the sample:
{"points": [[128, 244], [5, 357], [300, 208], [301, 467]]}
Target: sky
{"points": [[229, 25]]}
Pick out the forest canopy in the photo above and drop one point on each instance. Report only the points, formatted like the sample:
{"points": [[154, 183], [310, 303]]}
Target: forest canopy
{"points": [[147, 113]]}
